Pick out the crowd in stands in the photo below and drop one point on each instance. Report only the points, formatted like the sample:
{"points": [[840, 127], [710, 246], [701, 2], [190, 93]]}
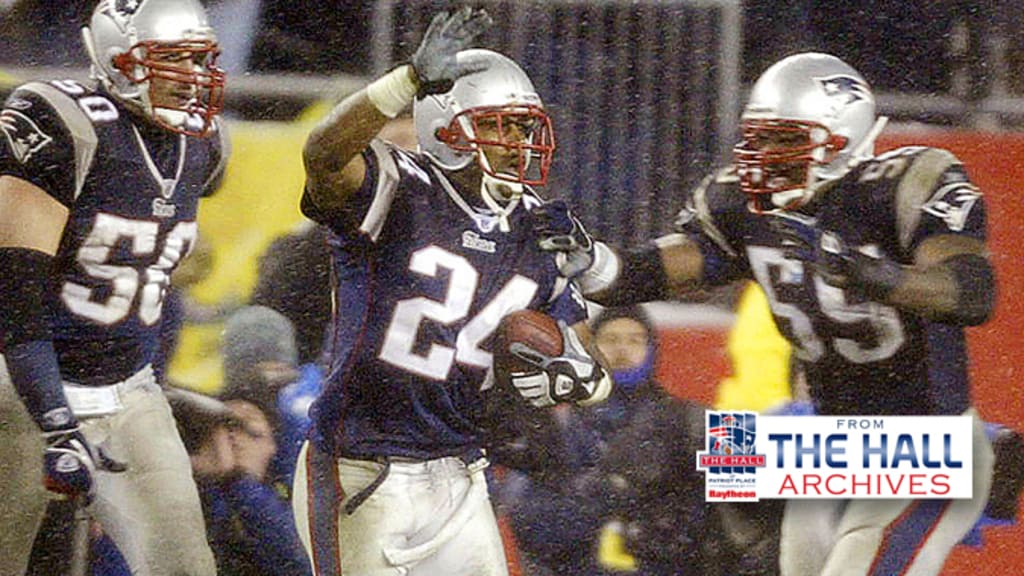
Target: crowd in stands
{"points": [[273, 36]]}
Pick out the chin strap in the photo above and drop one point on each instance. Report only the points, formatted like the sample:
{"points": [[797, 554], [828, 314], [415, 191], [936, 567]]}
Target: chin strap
{"points": [[495, 192]]}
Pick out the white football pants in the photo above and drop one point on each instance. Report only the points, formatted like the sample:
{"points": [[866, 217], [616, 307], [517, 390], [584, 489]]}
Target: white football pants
{"points": [[151, 511], [427, 518]]}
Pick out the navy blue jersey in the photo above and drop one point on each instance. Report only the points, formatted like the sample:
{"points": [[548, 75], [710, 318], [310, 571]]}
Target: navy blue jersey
{"points": [[858, 357], [422, 280], [131, 190]]}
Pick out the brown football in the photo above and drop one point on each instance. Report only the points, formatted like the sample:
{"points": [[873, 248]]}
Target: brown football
{"points": [[532, 328]]}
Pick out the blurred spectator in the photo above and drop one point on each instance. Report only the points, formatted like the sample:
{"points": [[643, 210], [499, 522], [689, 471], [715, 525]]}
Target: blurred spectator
{"points": [[649, 483], [292, 272], [261, 369], [652, 486], [252, 442], [249, 526]]}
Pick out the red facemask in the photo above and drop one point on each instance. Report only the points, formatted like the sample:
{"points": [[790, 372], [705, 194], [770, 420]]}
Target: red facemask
{"points": [[524, 130], [777, 156], [205, 80]]}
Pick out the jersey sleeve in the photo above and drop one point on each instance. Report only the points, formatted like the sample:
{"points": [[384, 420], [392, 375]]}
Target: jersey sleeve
{"points": [[936, 196], [367, 210], [709, 219], [47, 140]]}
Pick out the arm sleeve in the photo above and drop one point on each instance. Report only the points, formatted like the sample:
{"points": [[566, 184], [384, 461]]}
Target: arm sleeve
{"points": [[25, 282]]}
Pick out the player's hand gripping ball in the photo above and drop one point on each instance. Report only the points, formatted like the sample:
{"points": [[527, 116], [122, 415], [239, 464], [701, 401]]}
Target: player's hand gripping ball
{"points": [[545, 360]]}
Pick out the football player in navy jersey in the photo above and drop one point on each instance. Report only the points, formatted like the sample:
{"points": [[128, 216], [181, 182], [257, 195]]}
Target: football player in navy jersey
{"points": [[873, 266], [430, 250], [98, 194]]}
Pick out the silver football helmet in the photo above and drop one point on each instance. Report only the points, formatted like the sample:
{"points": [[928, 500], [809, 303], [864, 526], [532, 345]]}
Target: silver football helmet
{"points": [[810, 119], [133, 42], [500, 94]]}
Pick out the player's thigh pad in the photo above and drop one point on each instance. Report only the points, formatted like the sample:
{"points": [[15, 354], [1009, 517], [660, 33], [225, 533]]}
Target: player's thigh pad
{"points": [[152, 510], [21, 456]]}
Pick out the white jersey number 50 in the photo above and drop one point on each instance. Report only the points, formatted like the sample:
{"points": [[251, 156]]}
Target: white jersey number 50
{"points": [[125, 280]]}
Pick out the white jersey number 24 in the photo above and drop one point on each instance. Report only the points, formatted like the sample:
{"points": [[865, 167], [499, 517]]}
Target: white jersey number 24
{"points": [[400, 339]]}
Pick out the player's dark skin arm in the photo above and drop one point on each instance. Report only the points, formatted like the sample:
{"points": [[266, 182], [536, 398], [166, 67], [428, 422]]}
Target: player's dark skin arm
{"points": [[335, 169], [928, 288]]}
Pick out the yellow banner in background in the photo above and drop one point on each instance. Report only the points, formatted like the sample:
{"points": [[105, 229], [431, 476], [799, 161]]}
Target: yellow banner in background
{"points": [[258, 201]]}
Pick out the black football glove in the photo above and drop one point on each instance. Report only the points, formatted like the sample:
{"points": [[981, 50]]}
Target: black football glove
{"points": [[841, 266], [558, 230], [435, 61], [837, 263], [70, 463], [572, 377]]}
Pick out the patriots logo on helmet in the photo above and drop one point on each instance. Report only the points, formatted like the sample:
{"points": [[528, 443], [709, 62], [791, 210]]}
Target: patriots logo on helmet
{"points": [[847, 89], [127, 8]]}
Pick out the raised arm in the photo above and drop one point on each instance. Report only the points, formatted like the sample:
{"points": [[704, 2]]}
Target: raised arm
{"points": [[335, 169]]}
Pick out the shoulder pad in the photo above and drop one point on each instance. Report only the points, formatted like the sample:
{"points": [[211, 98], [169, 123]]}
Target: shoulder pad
{"points": [[717, 193], [18, 117], [931, 172]]}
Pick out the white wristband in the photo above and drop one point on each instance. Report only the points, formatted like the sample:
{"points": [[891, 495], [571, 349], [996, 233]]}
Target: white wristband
{"points": [[602, 272], [392, 92]]}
